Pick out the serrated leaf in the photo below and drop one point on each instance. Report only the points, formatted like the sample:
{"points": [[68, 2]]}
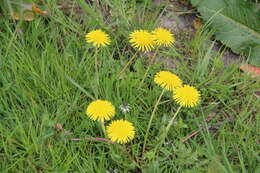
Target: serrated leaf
{"points": [[236, 25]]}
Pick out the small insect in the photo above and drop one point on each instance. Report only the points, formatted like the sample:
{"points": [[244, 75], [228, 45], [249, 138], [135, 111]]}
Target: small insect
{"points": [[125, 108]]}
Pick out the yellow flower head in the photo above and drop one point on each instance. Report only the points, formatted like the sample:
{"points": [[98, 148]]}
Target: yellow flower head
{"points": [[100, 110], [121, 131], [98, 38], [163, 37], [142, 40], [167, 80], [186, 96]]}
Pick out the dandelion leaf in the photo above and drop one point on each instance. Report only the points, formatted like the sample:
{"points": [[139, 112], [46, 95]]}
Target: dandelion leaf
{"points": [[236, 25]]}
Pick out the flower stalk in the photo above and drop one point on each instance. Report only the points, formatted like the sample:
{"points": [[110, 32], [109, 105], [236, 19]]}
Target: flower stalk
{"points": [[149, 67], [165, 133], [128, 63], [151, 119], [102, 124]]}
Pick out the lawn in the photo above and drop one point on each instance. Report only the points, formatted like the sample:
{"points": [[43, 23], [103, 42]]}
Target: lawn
{"points": [[50, 74]]}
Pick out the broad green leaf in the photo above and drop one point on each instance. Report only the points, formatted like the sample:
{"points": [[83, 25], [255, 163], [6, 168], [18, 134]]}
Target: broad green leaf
{"points": [[236, 24]]}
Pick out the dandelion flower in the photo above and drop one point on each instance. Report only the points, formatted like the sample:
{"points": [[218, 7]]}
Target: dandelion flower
{"points": [[121, 131], [167, 80], [186, 96], [142, 40], [163, 37], [98, 38], [100, 110]]}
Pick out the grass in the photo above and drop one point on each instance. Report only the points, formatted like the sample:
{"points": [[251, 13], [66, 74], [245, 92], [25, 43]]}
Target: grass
{"points": [[48, 77]]}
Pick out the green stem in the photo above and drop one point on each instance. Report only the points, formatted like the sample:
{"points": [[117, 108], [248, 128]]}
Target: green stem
{"points": [[96, 73], [128, 63], [103, 128], [151, 119], [96, 62], [171, 121], [164, 135], [149, 67]]}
